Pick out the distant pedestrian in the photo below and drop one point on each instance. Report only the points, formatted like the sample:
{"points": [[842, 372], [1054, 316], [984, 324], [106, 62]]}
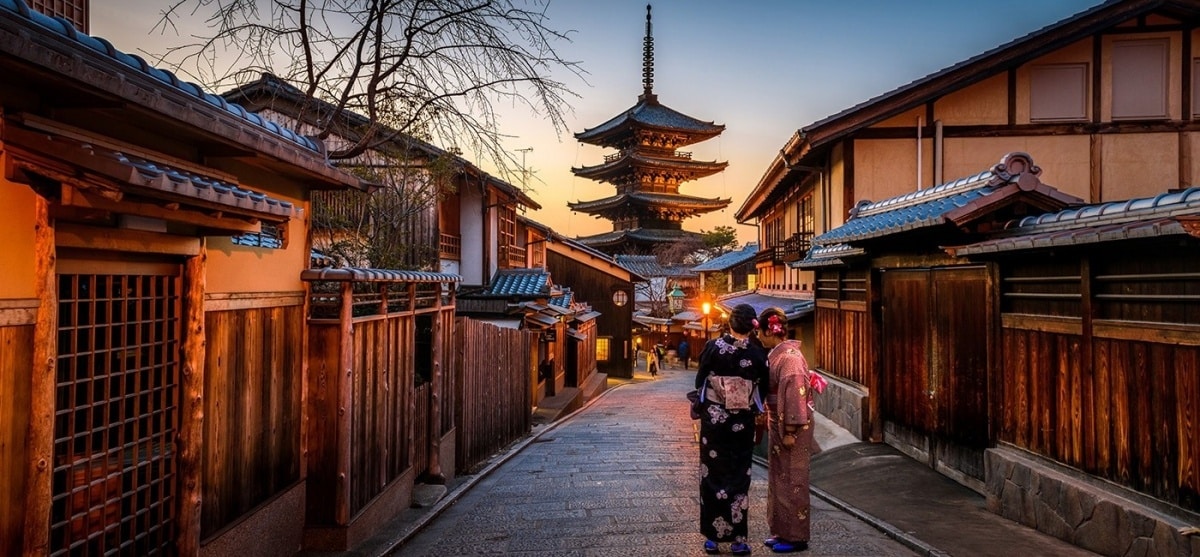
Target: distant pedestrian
{"points": [[790, 435], [652, 361], [729, 376], [660, 354], [682, 352]]}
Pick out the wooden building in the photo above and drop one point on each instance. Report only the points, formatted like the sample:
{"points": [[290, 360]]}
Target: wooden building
{"points": [[1105, 100], [1012, 338], [730, 272], [647, 171], [454, 217], [608, 288], [153, 347]]}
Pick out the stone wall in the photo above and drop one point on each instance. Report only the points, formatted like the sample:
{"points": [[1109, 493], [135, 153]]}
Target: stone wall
{"points": [[844, 404], [1084, 511]]}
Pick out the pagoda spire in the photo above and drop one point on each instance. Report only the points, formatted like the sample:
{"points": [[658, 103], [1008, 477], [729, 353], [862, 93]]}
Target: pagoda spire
{"points": [[648, 60]]}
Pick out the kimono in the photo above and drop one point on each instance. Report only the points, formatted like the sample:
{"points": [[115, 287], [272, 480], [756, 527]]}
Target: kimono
{"points": [[790, 403], [727, 435]]}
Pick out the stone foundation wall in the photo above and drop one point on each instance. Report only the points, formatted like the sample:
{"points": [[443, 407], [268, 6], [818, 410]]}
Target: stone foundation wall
{"points": [[1086, 512], [844, 404]]}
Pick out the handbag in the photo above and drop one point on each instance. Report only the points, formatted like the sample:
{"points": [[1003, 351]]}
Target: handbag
{"points": [[693, 397]]}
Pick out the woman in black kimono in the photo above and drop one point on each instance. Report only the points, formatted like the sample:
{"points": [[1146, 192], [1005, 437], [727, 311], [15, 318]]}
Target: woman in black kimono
{"points": [[732, 369]]}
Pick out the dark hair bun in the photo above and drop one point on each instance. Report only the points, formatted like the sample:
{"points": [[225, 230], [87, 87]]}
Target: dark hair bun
{"points": [[741, 319]]}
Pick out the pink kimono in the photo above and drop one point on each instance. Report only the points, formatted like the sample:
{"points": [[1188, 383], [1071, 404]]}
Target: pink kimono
{"points": [[789, 403]]}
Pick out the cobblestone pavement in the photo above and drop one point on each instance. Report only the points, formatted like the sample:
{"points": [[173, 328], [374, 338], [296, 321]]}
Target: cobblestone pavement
{"points": [[617, 478]]}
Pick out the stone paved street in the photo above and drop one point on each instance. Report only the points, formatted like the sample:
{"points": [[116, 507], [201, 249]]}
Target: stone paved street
{"points": [[617, 478]]}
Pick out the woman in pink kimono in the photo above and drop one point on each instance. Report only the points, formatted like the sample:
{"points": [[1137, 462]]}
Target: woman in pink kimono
{"points": [[790, 434]]}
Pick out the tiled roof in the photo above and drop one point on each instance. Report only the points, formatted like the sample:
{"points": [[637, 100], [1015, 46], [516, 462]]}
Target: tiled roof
{"points": [[650, 113], [520, 282], [375, 275], [729, 260], [793, 308], [101, 46], [563, 300], [1145, 217], [635, 235], [644, 265], [621, 166], [827, 256], [914, 210], [953, 202], [640, 199]]}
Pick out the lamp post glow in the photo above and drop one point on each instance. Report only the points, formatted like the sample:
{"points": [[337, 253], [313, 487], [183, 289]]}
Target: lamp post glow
{"points": [[705, 308]]}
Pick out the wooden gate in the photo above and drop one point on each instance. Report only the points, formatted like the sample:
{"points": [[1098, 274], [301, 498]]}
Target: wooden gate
{"points": [[117, 410], [936, 346]]}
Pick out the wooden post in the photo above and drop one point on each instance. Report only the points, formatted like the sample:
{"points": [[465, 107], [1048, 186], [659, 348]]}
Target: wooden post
{"points": [[435, 399], [345, 394], [191, 426], [40, 465]]}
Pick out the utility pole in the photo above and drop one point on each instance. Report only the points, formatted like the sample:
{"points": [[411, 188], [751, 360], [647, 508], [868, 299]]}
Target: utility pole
{"points": [[524, 169]]}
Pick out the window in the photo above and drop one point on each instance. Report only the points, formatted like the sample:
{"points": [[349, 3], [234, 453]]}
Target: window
{"points": [[272, 236], [620, 298], [1058, 92], [603, 348], [1139, 79]]}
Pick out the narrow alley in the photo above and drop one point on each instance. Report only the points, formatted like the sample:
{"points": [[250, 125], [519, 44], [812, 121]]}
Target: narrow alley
{"points": [[616, 478]]}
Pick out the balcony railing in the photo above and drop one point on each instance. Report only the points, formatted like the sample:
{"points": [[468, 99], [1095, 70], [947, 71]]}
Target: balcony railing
{"points": [[450, 246], [769, 254], [512, 257], [796, 247]]}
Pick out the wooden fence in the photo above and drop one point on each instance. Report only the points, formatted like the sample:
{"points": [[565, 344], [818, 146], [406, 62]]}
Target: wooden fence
{"points": [[1100, 360], [376, 369], [494, 392]]}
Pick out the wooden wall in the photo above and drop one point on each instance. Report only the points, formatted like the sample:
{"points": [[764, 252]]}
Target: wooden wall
{"points": [[493, 393], [16, 363], [252, 410], [596, 287], [843, 326], [1101, 366]]}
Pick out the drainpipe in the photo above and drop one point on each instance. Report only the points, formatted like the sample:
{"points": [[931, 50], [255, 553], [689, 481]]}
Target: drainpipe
{"points": [[937, 151], [920, 154]]}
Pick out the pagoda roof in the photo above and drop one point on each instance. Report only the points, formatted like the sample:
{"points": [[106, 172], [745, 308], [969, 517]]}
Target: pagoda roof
{"points": [[621, 165], [648, 113], [636, 236], [643, 199]]}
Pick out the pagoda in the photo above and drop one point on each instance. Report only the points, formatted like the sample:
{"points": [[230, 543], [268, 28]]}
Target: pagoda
{"points": [[647, 170]]}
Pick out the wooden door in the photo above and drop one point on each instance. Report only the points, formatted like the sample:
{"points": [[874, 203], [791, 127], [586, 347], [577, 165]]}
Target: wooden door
{"points": [[116, 409], [935, 360]]}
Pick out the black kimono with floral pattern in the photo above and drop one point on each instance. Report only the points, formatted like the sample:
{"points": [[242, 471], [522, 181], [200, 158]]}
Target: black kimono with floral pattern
{"points": [[727, 440]]}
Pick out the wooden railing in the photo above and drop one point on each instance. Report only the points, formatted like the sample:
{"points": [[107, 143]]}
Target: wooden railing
{"points": [[796, 247], [450, 246], [512, 257]]}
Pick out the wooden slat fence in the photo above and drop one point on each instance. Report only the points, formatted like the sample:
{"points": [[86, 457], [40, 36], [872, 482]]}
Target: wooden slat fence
{"points": [[1101, 368], [376, 345], [494, 392]]}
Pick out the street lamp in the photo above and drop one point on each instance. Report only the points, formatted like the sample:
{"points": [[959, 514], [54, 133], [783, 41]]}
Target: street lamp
{"points": [[705, 308]]}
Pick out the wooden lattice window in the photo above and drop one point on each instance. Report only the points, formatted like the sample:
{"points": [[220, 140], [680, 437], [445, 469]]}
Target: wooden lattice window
{"points": [[116, 410], [75, 11], [508, 226], [603, 349]]}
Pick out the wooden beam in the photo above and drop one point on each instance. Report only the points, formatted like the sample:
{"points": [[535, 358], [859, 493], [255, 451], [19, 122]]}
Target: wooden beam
{"points": [[344, 389], [191, 424], [1096, 178], [40, 438], [19, 312], [122, 239], [252, 300], [169, 211]]}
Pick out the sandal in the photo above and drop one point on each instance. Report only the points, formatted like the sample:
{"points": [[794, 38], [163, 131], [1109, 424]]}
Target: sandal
{"points": [[771, 541], [739, 548], [782, 546], [711, 548]]}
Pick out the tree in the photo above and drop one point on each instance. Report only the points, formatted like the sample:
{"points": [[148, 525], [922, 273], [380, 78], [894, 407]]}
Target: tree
{"points": [[717, 242], [433, 69], [694, 250]]}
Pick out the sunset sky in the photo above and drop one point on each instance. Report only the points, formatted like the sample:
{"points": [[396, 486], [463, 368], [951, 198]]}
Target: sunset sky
{"points": [[763, 68]]}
